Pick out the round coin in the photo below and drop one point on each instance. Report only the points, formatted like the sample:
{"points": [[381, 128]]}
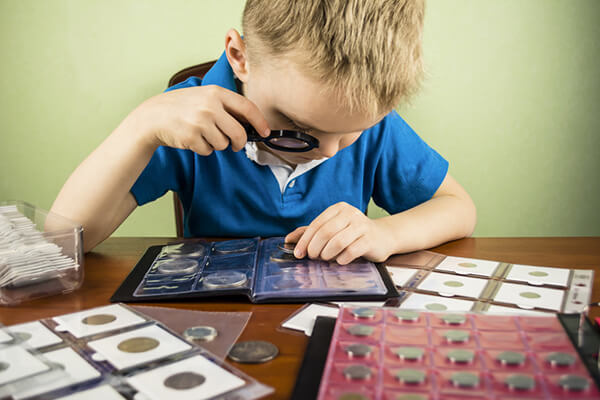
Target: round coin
{"points": [[360, 330], [358, 350], [224, 279], [357, 372], [454, 319], [191, 250], [530, 295], [467, 265], [98, 319], [511, 358], [455, 336], [410, 376], [460, 356], [409, 353], [177, 266], [464, 379], [407, 315], [287, 248], [363, 312], [453, 284], [202, 333], [184, 380], [573, 383], [559, 359], [253, 351], [283, 284], [436, 307], [520, 382], [280, 256], [233, 246], [352, 396], [138, 344], [538, 273], [4, 366], [410, 396]]}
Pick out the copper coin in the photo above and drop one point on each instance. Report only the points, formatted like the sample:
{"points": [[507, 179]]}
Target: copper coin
{"points": [[138, 344], [184, 380], [98, 319]]}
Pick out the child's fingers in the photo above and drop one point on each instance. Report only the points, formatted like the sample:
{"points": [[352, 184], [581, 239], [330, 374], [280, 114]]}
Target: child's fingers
{"points": [[233, 130], [313, 227], [242, 107], [296, 234], [356, 249], [337, 244], [326, 232]]}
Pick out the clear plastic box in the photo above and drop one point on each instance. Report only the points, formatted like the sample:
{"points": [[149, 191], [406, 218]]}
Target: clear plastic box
{"points": [[47, 257]]}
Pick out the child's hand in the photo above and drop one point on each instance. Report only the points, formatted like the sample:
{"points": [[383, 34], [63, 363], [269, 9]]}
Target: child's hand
{"points": [[342, 233], [201, 119]]}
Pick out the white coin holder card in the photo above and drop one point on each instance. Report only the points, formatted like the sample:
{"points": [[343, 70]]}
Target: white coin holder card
{"points": [[453, 285], [530, 297], [468, 266], [418, 301], [104, 392], [107, 349], [75, 325], [401, 275], [496, 309], [35, 334], [539, 275], [216, 381], [77, 371], [304, 319], [4, 337], [18, 363]]}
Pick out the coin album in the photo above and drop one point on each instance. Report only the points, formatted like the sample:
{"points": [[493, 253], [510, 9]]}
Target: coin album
{"points": [[389, 353], [265, 271], [112, 352]]}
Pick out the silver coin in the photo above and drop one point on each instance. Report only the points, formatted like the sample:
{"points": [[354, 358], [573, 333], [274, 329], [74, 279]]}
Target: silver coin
{"points": [[280, 256], [360, 330], [454, 319], [357, 372], [558, 359], [191, 250], [464, 379], [574, 383], [363, 312], [287, 248], [283, 284], [407, 315], [177, 266], [520, 382], [358, 350], [233, 246], [253, 351], [202, 333], [410, 376], [224, 279], [455, 336], [460, 356], [409, 353], [184, 380], [512, 358]]}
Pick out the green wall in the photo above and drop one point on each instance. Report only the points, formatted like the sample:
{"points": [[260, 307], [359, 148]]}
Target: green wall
{"points": [[512, 98]]}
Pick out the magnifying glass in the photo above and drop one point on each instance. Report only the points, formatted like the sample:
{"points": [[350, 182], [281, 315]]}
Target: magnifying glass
{"points": [[284, 140]]}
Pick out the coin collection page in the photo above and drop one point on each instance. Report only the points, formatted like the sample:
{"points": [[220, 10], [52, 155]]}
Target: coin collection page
{"points": [[115, 351], [390, 353], [436, 282], [260, 269]]}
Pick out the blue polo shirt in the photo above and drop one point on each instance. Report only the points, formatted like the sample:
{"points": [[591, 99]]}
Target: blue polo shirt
{"points": [[226, 194]]}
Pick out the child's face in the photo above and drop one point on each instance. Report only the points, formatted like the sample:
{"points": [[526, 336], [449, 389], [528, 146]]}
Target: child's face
{"points": [[290, 100]]}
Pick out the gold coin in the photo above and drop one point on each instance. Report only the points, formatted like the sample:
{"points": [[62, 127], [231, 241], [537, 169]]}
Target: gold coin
{"points": [[138, 344], [467, 265], [98, 319]]}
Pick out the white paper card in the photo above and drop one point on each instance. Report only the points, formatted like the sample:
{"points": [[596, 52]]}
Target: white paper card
{"points": [[76, 368], [400, 276], [5, 337], [218, 380], [21, 364], [418, 301], [496, 309], [530, 296], [103, 392], [39, 335], [453, 285], [468, 266], [358, 303], [73, 322], [305, 320], [168, 345], [539, 275]]}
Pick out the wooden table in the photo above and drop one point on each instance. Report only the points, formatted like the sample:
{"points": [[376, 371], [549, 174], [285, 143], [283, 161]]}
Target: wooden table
{"points": [[108, 265]]}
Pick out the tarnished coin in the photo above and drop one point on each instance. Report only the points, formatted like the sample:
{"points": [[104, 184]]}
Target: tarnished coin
{"points": [[138, 344], [363, 312], [410, 376], [464, 379], [4, 366], [184, 380], [407, 315], [224, 279], [454, 319], [352, 396], [574, 383], [253, 351], [233, 246], [98, 319], [287, 248], [177, 266], [454, 336], [511, 358], [360, 330], [558, 359], [357, 372], [280, 256], [409, 353], [460, 356], [358, 350], [520, 382], [202, 333]]}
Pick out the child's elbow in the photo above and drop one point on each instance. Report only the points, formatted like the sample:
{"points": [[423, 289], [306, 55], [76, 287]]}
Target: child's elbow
{"points": [[469, 216]]}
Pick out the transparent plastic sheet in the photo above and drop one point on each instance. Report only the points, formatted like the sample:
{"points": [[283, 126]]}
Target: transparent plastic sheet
{"points": [[120, 352], [229, 325]]}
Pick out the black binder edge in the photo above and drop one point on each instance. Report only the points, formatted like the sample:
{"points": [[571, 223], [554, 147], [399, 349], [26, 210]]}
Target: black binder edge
{"points": [[315, 356]]}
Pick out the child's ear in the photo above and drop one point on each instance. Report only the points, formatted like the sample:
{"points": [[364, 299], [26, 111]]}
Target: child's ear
{"points": [[235, 49]]}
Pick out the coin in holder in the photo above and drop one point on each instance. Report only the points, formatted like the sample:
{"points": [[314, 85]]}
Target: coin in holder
{"points": [[511, 358], [98, 319], [224, 279], [233, 246], [358, 350], [184, 380], [287, 284], [287, 247], [188, 249], [573, 383], [179, 266], [138, 344], [520, 382], [253, 352], [281, 256], [202, 333], [464, 380], [357, 372]]}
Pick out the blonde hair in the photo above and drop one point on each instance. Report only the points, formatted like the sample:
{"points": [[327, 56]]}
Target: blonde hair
{"points": [[367, 51]]}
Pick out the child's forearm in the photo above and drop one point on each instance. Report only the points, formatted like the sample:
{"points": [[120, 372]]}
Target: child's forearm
{"points": [[96, 195]]}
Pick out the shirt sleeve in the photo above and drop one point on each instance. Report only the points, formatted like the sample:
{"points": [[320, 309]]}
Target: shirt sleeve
{"points": [[409, 172]]}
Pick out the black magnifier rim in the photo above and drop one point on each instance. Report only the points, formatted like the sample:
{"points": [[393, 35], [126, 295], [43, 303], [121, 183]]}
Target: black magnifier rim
{"points": [[311, 142]]}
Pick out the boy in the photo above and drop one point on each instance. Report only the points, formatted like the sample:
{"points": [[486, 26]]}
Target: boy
{"points": [[330, 69]]}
